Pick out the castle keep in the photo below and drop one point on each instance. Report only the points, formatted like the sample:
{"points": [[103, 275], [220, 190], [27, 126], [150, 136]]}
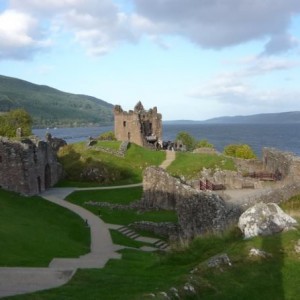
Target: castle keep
{"points": [[28, 166], [140, 126]]}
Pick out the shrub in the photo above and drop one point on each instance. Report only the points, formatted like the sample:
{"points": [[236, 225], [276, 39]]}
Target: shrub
{"points": [[107, 136], [240, 151], [187, 140], [204, 144]]}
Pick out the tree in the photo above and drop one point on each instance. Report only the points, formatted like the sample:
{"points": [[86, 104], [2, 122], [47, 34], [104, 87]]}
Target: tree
{"points": [[108, 136], [240, 151], [14, 119], [187, 140]]}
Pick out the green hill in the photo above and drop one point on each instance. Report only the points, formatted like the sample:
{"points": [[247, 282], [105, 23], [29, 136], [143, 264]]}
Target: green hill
{"points": [[51, 107]]}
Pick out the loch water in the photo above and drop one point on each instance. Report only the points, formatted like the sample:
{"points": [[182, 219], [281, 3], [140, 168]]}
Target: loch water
{"points": [[285, 137]]}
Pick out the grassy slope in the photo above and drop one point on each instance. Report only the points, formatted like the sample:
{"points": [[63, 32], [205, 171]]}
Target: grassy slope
{"points": [[190, 164], [33, 231], [50, 107], [125, 170]]}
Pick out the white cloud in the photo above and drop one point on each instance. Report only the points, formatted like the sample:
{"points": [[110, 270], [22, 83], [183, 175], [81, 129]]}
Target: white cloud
{"points": [[20, 35], [260, 65], [97, 25], [236, 91]]}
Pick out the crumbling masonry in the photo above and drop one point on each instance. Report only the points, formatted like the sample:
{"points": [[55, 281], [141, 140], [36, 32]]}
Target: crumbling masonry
{"points": [[28, 166], [140, 126]]}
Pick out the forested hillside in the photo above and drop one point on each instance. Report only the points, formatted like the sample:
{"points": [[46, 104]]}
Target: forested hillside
{"points": [[51, 107]]}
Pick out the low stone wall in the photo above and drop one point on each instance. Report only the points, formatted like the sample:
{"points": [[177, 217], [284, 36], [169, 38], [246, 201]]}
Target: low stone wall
{"points": [[165, 229], [278, 194], [120, 152]]}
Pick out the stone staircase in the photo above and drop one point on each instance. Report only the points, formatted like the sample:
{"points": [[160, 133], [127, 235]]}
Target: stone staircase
{"points": [[156, 244]]}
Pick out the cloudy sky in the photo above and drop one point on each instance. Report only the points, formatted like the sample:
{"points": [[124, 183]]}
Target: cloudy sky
{"points": [[193, 59]]}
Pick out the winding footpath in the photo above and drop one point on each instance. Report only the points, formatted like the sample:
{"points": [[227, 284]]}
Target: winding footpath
{"points": [[18, 280]]}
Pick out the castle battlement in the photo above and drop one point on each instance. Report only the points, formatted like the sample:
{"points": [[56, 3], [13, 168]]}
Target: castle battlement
{"points": [[139, 126]]}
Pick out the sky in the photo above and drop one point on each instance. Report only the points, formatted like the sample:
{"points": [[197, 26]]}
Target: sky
{"points": [[193, 59]]}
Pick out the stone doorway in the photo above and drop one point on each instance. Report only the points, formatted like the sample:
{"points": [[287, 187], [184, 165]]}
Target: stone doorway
{"points": [[47, 177], [39, 184]]}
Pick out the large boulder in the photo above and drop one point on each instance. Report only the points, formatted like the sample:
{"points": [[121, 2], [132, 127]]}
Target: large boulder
{"points": [[264, 219]]}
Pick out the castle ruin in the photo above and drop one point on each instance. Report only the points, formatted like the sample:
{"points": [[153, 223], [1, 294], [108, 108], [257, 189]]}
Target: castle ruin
{"points": [[140, 126], [28, 166]]}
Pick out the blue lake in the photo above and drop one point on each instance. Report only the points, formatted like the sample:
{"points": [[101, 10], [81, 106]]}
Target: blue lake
{"points": [[284, 136]]}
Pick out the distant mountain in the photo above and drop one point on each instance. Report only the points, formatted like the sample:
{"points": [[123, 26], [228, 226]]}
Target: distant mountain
{"points": [[51, 107], [271, 118]]}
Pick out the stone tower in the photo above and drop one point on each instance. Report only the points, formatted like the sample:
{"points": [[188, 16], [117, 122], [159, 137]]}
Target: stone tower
{"points": [[139, 126]]}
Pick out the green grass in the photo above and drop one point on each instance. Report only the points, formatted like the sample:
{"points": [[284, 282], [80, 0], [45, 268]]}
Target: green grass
{"points": [[121, 196], [116, 170], [33, 231], [139, 273], [190, 165], [292, 205], [115, 145]]}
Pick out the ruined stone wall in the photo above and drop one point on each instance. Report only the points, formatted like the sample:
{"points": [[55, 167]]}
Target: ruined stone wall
{"points": [[286, 163], [198, 212], [28, 166], [248, 165], [136, 124], [230, 179]]}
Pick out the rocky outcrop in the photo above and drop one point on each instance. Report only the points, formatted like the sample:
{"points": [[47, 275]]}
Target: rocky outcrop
{"points": [[264, 219]]}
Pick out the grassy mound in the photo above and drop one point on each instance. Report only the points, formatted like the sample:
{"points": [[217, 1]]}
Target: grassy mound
{"points": [[33, 231], [90, 167], [189, 164]]}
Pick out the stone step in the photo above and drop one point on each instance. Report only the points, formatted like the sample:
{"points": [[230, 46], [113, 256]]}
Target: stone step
{"points": [[159, 243], [162, 245], [128, 232], [123, 229], [133, 235]]}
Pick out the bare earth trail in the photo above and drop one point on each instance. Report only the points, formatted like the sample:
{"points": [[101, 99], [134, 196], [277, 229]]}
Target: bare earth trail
{"points": [[19, 280]]}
